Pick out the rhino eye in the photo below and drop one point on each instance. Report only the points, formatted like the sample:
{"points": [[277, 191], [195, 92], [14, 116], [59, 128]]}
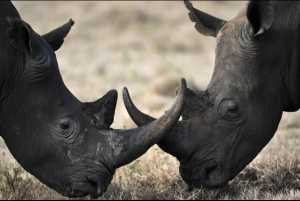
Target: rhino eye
{"points": [[229, 109], [232, 107], [65, 125], [67, 129]]}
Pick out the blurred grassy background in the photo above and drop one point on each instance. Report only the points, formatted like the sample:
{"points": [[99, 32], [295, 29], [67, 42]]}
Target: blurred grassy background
{"points": [[148, 46]]}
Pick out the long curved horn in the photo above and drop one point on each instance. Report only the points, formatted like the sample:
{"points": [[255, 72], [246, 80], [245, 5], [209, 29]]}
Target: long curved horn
{"points": [[177, 135], [135, 114], [137, 141]]}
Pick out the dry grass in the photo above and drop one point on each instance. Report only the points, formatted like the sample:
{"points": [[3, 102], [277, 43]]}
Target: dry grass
{"points": [[155, 176], [149, 46]]}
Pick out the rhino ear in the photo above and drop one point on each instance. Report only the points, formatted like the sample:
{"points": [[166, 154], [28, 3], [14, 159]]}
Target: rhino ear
{"points": [[205, 23], [19, 34], [56, 37], [261, 16], [194, 104], [102, 111]]}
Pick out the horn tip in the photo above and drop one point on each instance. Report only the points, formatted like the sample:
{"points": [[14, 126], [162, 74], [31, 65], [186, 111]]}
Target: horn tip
{"points": [[71, 22], [188, 4], [126, 97], [183, 82], [125, 92], [113, 92]]}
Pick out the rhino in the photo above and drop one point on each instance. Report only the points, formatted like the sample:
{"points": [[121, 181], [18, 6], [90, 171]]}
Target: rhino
{"points": [[67, 144], [256, 78]]}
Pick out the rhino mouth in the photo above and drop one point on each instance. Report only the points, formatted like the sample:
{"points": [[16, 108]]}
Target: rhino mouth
{"points": [[90, 179], [214, 177], [207, 175]]}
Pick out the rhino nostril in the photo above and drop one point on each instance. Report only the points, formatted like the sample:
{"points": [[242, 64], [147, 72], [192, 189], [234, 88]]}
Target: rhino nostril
{"points": [[210, 170], [98, 188]]}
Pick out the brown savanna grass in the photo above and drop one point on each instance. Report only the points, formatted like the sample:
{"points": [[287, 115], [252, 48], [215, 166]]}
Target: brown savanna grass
{"points": [[149, 46]]}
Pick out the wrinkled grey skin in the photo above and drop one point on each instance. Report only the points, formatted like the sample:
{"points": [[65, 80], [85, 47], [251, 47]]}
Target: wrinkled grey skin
{"points": [[256, 78], [68, 145]]}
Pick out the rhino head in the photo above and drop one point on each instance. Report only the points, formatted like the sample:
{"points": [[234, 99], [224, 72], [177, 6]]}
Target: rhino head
{"points": [[256, 78], [68, 145]]}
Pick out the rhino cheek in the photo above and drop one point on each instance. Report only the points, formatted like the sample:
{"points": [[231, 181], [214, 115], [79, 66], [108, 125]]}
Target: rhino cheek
{"points": [[255, 135]]}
